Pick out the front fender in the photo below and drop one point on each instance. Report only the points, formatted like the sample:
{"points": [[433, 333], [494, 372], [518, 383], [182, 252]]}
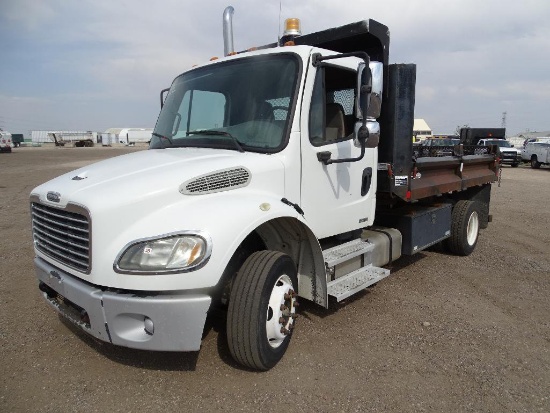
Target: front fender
{"points": [[227, 217]]}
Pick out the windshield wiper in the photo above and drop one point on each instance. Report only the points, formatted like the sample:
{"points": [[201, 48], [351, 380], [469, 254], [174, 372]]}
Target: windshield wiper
{"points": [[217, 133], [161, 139]]}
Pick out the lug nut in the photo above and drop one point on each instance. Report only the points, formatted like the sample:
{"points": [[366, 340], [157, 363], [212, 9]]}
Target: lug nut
{"points": [[284, 307], [282, 320], [288, 296], [296, 304]]}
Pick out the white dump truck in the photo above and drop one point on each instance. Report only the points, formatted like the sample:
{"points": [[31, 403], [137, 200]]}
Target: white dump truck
{"points": [[274, 175]]}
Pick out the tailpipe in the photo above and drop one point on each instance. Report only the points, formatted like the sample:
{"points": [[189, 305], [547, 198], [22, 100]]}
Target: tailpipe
{"points": [[228, 30]]}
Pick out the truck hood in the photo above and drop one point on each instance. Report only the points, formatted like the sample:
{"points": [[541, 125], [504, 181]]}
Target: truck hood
{"points": [[128, 179]]}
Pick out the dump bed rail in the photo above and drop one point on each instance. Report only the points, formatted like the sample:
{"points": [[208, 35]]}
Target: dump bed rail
{"points": [[435, 174]]}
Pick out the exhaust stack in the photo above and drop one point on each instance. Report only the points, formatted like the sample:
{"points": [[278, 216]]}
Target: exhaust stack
{"points": [[228, 30]]}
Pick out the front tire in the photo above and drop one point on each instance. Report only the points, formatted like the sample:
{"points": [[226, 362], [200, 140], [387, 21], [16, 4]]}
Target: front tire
{"points": [[262, 309], [465, 223]]}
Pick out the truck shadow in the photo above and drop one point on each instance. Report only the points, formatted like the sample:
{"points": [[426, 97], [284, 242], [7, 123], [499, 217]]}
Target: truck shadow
{"points": [[151, 360], [216, 321]]}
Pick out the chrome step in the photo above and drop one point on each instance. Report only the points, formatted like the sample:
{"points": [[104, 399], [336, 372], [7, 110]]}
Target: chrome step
{"points": [[341, 253], [355, 281]]}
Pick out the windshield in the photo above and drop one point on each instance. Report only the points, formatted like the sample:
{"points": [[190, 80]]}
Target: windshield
{"points": [[499, 142], [445, 142], [240, 105]]}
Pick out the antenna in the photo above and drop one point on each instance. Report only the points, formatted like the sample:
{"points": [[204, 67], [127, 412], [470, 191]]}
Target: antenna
{"points": [[503, 124], [279, 32]]}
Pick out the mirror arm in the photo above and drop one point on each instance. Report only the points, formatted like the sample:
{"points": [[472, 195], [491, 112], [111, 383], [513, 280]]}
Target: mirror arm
{"points": [[324, 157], [317, 60]]}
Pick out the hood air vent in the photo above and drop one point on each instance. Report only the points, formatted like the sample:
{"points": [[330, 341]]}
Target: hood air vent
{"points": [[216, 182]]}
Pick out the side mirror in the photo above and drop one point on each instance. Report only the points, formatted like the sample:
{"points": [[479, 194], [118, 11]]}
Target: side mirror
{"points": [[368, 104], [162, 96], [364, 87], [374, 97]]}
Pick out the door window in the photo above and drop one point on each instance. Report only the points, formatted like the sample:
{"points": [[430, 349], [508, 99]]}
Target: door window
{"points": [[331, 116]]}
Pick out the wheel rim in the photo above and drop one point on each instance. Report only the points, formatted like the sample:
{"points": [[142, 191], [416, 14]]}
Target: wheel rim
{"points": [[281, 311], [473, 228]]}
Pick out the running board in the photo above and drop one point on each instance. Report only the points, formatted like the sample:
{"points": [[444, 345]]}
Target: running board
{"points": [[355, 281], [345, 252]]}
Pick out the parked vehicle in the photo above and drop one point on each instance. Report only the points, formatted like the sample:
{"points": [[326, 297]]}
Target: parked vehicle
{"points": [[79, 140], [438, 146], [472, 136], [507, 153], [17, 139], [268, 179], [537, 153], [5, 141]]}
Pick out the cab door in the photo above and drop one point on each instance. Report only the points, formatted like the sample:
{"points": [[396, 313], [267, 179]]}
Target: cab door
{"points": [[339, 197]]}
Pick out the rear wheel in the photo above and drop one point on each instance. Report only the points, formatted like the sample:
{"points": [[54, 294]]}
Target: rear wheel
{"points": [[262, 309], [464, 227], [535, 164]]}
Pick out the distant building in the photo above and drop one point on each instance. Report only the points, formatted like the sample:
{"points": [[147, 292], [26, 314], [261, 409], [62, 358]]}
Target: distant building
{"points": [[128, 136], [421, 130]]}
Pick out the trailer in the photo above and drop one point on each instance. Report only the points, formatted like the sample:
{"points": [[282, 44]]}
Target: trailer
{"points": [[281, 173]]}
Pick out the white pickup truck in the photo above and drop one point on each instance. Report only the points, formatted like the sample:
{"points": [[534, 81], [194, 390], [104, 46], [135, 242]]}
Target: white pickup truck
{"points": [[272, 174], [537, 153], [508, 154], [5, 141]]}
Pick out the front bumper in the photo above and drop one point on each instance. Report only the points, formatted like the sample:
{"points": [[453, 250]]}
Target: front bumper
{"points": [[148, 321], [509, 158]]}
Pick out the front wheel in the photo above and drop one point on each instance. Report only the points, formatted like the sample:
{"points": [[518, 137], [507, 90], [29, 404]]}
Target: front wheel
{"points": [[464, 227], [262, 309]]}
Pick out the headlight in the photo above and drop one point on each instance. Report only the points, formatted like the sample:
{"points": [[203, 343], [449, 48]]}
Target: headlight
{"points": [[168, 254]]}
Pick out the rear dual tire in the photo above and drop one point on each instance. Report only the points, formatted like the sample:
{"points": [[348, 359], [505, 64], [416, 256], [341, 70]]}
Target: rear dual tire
{"points": [[465, 224]]}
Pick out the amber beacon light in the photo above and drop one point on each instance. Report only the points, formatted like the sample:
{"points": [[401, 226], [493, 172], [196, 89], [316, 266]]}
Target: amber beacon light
{"points": [[292, 30], [292, 27]]}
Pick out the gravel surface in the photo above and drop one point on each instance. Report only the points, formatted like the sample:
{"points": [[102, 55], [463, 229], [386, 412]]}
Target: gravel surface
{"points": [[441, 334]]}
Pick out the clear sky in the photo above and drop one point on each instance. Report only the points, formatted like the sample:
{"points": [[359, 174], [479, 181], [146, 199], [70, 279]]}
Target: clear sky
{"points": [[96, 64]]}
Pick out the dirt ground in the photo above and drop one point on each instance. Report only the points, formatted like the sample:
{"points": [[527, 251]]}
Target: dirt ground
{"points": [[441, 334]]}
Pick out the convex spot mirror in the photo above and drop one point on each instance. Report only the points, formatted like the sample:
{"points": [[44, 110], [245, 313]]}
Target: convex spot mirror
{"points": [[371, 139]]}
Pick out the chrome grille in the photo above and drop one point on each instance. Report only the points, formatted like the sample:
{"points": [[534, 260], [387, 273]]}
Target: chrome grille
{"points": [[62, 235]]}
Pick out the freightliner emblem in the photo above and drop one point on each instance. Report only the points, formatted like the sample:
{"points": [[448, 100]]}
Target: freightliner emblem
{"points": [[53, 196]]}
